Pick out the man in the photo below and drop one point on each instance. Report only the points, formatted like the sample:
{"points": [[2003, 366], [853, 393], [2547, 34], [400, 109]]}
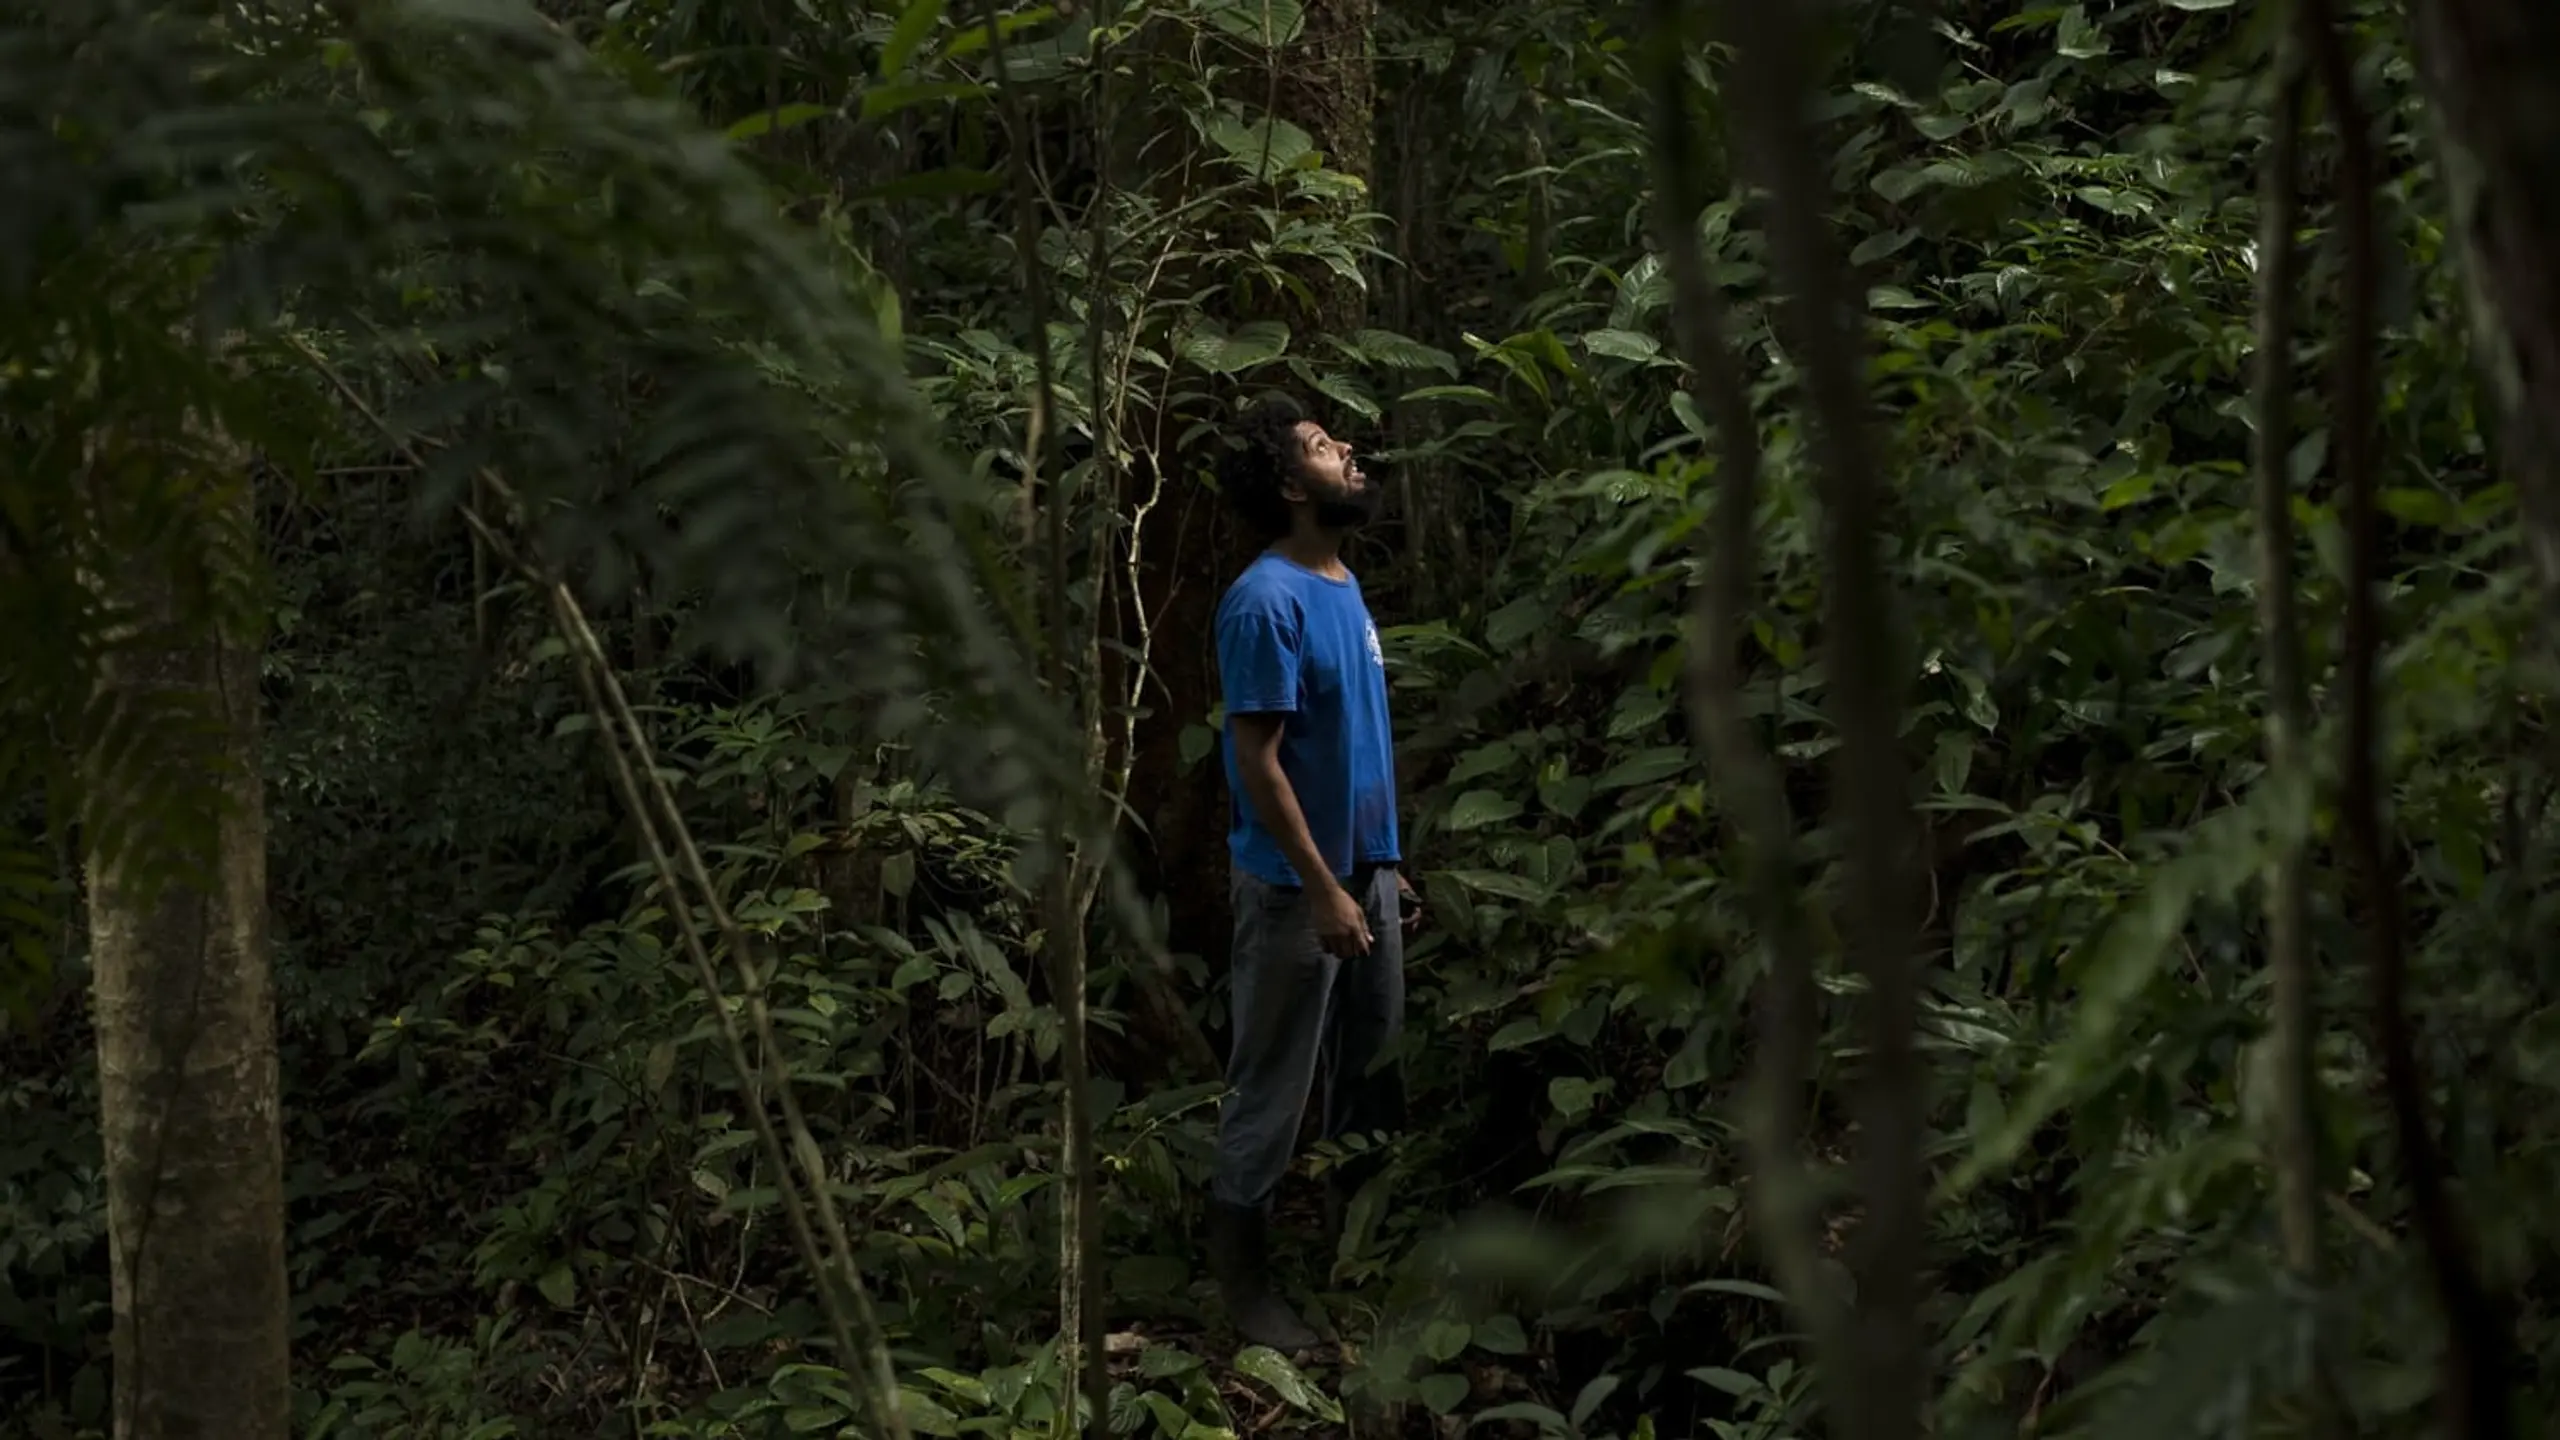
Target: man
{"points": [[1318, 958]]}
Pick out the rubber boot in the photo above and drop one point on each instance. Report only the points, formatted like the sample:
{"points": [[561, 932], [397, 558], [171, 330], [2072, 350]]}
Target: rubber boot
{"points": [[1240, 1261]]}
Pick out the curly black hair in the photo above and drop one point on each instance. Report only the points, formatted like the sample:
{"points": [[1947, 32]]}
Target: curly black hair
{"points": [[1250, 474]]}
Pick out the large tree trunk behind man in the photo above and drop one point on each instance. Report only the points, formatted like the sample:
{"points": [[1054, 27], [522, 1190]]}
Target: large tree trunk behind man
{"points": [[186, 1023], [1323, 82]]}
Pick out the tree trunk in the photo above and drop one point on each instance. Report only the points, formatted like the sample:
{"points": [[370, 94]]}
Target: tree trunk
{"points": [[1324, 83], [2487, 67], [187, 1044]]}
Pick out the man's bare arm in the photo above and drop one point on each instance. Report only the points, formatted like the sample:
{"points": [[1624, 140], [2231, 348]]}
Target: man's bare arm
{"points": [[1339, 918], [1275, 801]]}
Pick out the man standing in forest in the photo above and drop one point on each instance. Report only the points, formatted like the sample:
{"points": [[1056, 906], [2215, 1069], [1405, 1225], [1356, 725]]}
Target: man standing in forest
{"points": [[1320, 904]]}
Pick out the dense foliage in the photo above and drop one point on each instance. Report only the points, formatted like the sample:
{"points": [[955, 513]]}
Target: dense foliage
{"points": [[697, 299]]}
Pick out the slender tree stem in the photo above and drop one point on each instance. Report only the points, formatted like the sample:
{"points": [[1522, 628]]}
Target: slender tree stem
{"points": [[2475, 1381], [1747, 779], [1865, 675], [2295, 1153], [1080, 1294], [852, 1325]]}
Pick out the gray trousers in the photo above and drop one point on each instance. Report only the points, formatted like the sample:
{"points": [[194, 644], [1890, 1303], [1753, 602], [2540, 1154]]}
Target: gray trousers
{"points": [[1302, 1016]]}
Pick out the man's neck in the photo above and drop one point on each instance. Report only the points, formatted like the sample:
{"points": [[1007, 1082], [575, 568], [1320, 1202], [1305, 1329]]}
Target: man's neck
{"points": [[1313, 549]]}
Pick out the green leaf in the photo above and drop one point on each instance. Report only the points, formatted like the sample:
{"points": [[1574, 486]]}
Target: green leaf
{"points": [[1731, 1382], [1445, 1339], [559, 1285], [1573, 1096], [1443, 1393], [786, 117], [1269, 1366], [1622, 344], [1257, 343], [914, 24], [1268, 23], [1877, 247], [1547, 1421], [1265, 149], [1475, 393], [1501, 1335], [975, 39], [1479, 808], [897, 95], [1495, 882], [1647, 767], [1400, 352]]}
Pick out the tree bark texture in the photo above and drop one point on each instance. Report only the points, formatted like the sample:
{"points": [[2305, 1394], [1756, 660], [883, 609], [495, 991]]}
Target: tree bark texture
{"points": [[2488, 68], [1324, 83], [187, 1060]]}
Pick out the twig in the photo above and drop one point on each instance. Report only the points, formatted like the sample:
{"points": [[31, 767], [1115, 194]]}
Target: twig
{"points": [[2296, 1154], [840, 1292], [1747, 778], [1080, 1293], [1865, 674], [2476, 1368], [2288, 697]]}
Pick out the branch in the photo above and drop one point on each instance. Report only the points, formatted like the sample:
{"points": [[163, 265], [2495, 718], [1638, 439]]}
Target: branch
{"points": [[851, 1323], [2295, 1154], [1865, 675], [1080, 1293], [1746, 778], [2476, 1368]]}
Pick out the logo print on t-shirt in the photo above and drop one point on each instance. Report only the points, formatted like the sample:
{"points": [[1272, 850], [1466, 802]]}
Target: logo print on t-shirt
{"points": [[1377, 656]]}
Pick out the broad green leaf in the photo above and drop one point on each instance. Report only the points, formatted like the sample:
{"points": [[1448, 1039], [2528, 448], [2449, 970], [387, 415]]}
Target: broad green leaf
{"points": [[1265, 149], [1622, 344], [1646, 768], [1444, 1339], [896, 95], [1273, 1369], [767, 122], [915, 24], [1479, 808], [1400, 352], [974, 39], [1268, 23], [1443, 1393], [559, 1285], [1257, 343], [1881, 245], [1492, 882], [1475, 393], [1501, 1335]]}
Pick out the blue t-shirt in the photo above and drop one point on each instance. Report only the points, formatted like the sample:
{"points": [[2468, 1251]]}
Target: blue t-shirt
{"points": [[1295, 643]]}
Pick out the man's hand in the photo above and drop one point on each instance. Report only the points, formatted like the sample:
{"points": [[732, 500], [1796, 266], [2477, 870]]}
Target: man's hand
{"points": [[1408, 903], [1342, 927]]}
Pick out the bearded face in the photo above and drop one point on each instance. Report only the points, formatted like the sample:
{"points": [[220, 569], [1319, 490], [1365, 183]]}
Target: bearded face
{"points": [[1330, 480]]}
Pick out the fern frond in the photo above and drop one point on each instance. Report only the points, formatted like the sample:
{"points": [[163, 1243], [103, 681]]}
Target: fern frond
{"points": [[457, 197]]}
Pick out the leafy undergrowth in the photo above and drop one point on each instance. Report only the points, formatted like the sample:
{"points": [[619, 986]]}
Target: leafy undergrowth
{"points": [[526, 1200]]}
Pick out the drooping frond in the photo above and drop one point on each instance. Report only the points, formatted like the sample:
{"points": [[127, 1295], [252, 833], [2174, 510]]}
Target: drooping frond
{"points": [[552, 281]]}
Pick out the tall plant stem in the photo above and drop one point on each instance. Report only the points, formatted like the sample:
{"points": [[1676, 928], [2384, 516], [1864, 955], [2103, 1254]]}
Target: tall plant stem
{"points": [[2475, 1381]]}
